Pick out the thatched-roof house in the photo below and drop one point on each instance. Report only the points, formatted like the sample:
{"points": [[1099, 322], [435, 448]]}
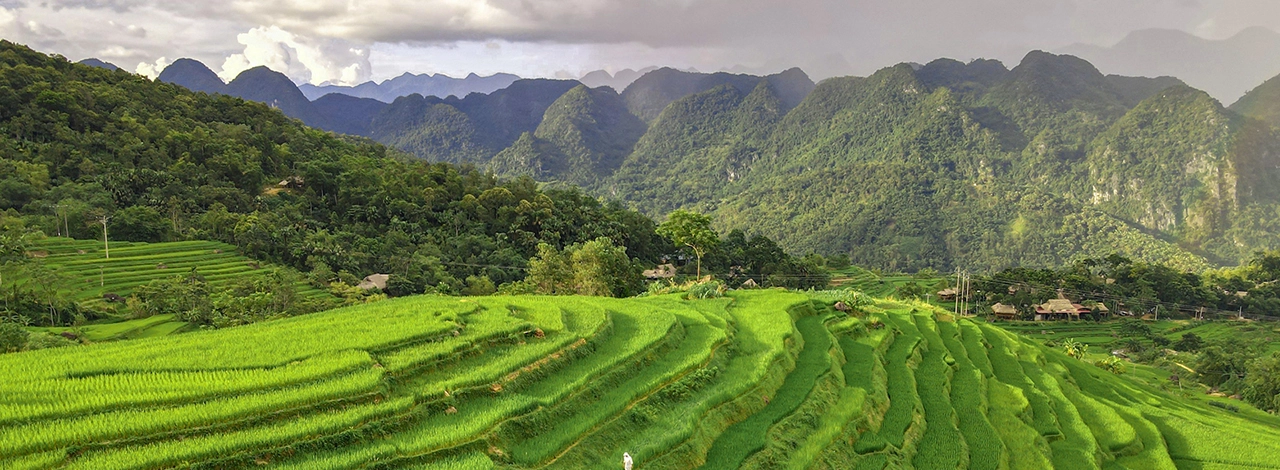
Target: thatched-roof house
{"points": [[947, 294], [663, 271], [843, 307], [1058, 309], [1004, 312], [374, 281], [750, 284], [1064, 309]]}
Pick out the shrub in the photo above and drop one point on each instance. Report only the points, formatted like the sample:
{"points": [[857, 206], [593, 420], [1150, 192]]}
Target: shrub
{"points": [[12, 337], [478, 285], [1190, 342], [1074, 348], [1262, 383], [1111, 364], [46, 341], [1231, 408], [711, 289], [1134, 329]]}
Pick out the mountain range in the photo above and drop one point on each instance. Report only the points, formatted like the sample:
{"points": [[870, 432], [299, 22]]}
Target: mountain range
{"points": [[618, 81], [407, 84], [1225, 68], [941, 165]]}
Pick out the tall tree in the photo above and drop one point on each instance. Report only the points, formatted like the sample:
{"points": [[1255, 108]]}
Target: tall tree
{"points": [[690, 229]]}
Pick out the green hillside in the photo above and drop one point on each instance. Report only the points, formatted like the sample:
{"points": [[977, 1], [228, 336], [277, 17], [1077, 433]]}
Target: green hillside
{"points": [[948, 164], [163, 164], [78, 279], [1181, 164], [584, 133], [761, 379], [89, 274], [1262, 102], [972, 165]]}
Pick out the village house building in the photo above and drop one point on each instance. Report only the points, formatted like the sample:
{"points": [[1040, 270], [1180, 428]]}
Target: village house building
{"points": [[1004, 312]]}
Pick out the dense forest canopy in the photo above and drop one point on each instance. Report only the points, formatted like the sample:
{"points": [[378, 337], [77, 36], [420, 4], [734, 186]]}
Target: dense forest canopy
{"points": [[942, 165], [935, 166], [163, 163]]}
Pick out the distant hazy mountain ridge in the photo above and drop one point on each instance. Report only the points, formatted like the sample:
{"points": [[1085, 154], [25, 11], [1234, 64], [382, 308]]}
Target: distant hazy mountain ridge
{"points": [[618, 81], [408, 84], [1262, 102], [1224, 68]]}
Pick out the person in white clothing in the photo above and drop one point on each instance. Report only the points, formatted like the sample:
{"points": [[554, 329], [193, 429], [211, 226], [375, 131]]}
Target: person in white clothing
{"points": [[626, 461]]}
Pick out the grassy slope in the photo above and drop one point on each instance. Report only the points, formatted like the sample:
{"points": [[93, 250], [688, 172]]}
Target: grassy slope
{"points": [[763, 379], [88, 274]]}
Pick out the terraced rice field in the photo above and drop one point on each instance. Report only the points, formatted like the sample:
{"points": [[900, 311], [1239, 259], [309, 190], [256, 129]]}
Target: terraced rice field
{"points": [[90, 274], [761, 379], [1101, 337]]}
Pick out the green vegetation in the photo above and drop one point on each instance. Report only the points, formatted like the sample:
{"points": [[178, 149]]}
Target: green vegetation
{"points": [[1261, 103], [692, 230], [942, 166], [692, 374], [160, 163], [756, 379], [748, 436]]}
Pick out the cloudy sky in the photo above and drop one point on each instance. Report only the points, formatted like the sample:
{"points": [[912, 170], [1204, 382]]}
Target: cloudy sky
{"points": [[351, 41]]}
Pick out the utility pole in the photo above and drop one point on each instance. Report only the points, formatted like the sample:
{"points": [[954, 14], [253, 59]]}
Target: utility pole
{"points": [[964, 307], [57, 218], [106, 248], [968, 288], [956, 307]]}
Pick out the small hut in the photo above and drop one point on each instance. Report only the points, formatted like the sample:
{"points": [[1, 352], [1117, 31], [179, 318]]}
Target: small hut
{"points": [[374, 281], [843, 307], [291, 182], [663, 271], [1004, 312], [947, 295], [750, 284]]}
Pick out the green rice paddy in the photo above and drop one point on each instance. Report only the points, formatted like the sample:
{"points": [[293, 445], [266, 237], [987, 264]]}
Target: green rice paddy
{"points": [[760, 379], [87, 275]]}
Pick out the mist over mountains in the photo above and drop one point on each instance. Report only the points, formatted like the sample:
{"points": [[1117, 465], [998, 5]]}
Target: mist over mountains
{"points": [[618, 80], [407, 84], [1225, 69]]}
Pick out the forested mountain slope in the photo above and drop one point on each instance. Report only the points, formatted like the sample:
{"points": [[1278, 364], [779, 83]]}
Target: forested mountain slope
{"points": [[78, 143], [585, 133], [193, 75], [471, 129], [942, 165], [971, 165], [1262, 102], [650, 94]]}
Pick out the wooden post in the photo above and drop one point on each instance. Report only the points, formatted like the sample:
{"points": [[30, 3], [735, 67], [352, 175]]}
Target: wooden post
{"points": [[106, 247]]}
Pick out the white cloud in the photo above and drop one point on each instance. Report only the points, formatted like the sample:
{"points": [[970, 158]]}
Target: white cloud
{"points": [[7, 18], [152, 69], [131, 29], [118, 51], [41, 30], [301, 58]]}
